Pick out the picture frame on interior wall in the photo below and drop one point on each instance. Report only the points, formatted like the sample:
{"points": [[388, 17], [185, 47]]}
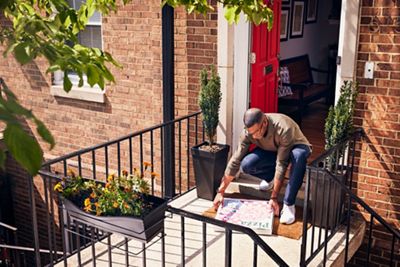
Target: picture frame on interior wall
{"points": [[285, 21], [297, 22], [311, 11]]}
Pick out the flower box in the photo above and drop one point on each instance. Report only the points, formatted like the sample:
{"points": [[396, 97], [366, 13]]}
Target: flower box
{"points": [[121, 205], [143, 228]]}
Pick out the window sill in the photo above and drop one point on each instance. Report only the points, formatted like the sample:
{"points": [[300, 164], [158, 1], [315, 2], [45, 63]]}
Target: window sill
{"points": [[84, 93]]}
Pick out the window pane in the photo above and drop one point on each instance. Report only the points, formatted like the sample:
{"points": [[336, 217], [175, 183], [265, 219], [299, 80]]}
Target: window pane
{"points": [[96, 37], [95, 19], [91, 37]]}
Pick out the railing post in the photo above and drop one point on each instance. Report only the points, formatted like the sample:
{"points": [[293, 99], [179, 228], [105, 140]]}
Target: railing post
{"points": [[34, 220], [168, 99], [305, 218], [169, 161], [228, 247]]}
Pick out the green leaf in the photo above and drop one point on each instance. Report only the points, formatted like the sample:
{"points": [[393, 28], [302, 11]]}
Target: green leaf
{"points": [[15, 108], [191, 8], [257, 18], [230, 14], [45, 133], [24, 148], [81, 82], [67, 82], [270, 21], [10, 48], [21, 53], [4, 3], [92, 74], [107, 74], [112, 60], [6, 116], [97, 52], [53, 68], [101, 82]]}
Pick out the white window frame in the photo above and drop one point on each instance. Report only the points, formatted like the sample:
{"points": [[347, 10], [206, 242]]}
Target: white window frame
{"points": [[86, 92]]}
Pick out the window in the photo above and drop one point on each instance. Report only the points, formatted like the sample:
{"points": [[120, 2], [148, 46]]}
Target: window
{"points": [[90, 37]]}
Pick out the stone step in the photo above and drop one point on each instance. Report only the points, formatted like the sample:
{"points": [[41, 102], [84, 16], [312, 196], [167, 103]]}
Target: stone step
{"points": [[248, 185], [242, 252]]}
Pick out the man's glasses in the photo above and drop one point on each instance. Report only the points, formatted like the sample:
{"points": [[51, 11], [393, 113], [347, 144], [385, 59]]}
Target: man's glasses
{"points": [[259, 131]]}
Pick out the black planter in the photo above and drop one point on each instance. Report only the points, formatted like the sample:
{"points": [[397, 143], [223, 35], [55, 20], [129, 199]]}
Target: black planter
{"points": [[208, 170], [321, 186], [141, 228]]}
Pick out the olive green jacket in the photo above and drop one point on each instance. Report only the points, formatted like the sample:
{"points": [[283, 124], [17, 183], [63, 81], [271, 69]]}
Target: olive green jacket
{"points": [[281, 135]]}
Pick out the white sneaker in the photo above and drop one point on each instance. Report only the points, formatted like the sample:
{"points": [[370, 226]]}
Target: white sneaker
{"points": [[265, 186], [288, 214]]}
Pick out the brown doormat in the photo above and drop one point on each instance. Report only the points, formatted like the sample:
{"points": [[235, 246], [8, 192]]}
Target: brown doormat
{"points": [[293, 231]]}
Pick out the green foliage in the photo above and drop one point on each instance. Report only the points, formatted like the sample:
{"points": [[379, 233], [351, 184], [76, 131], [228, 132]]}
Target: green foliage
{"points": [[256, 11], [209, 102], [339, 123], [124, 195], [49, 28], [22, 146]]}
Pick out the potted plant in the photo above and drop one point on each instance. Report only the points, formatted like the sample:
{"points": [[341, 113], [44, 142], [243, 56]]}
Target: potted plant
{"points": [[120, 205], [338, 126], [209, 158]]}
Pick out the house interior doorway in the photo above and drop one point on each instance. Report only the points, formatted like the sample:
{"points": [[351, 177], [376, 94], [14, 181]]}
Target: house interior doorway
{"points": [[310, 28], [325, 34]]}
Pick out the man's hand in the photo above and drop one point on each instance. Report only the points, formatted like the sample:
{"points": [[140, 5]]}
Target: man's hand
{"points": [[218, 200], [273, 203]]}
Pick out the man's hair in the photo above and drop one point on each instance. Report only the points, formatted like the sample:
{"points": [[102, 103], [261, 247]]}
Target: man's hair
{"points": [[252, 116]]}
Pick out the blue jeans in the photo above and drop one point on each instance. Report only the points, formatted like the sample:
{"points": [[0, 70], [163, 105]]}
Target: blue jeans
{"points": [[261, 163]]}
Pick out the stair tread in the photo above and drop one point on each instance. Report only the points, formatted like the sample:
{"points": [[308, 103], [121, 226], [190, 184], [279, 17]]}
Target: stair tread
{"points": [[248, 185]]}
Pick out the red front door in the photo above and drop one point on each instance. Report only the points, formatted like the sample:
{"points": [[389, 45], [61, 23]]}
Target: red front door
{"points": [[264, 70]]}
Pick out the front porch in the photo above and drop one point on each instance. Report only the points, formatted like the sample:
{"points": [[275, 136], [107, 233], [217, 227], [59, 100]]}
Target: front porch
{"points": [[189, 238], [206, 244]]}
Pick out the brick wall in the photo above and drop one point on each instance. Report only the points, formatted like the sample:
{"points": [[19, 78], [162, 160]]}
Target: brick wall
{"points": [[378, 109], [46, 211], [133, 36], [200, 50]]}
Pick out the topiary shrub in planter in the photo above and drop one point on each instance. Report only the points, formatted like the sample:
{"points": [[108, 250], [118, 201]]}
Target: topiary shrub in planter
{"points": [[339, 123], [338, 126], [120, 205], [209, 158]]}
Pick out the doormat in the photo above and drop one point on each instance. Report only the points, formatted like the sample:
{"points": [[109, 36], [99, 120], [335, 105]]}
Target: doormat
{"points": [[293, 231]]}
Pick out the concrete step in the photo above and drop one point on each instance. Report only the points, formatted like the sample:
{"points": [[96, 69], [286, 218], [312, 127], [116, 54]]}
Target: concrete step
{"points": [[337, 245], [242, 245], [248, 185]]}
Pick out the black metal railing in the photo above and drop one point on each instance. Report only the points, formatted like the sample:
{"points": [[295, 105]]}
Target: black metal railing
{"points": [[71, 236], [8, 239], [329, 204], [76, 236], [96, 163], [124, 158], [229, 228], [328, 187], [12, 254]]}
